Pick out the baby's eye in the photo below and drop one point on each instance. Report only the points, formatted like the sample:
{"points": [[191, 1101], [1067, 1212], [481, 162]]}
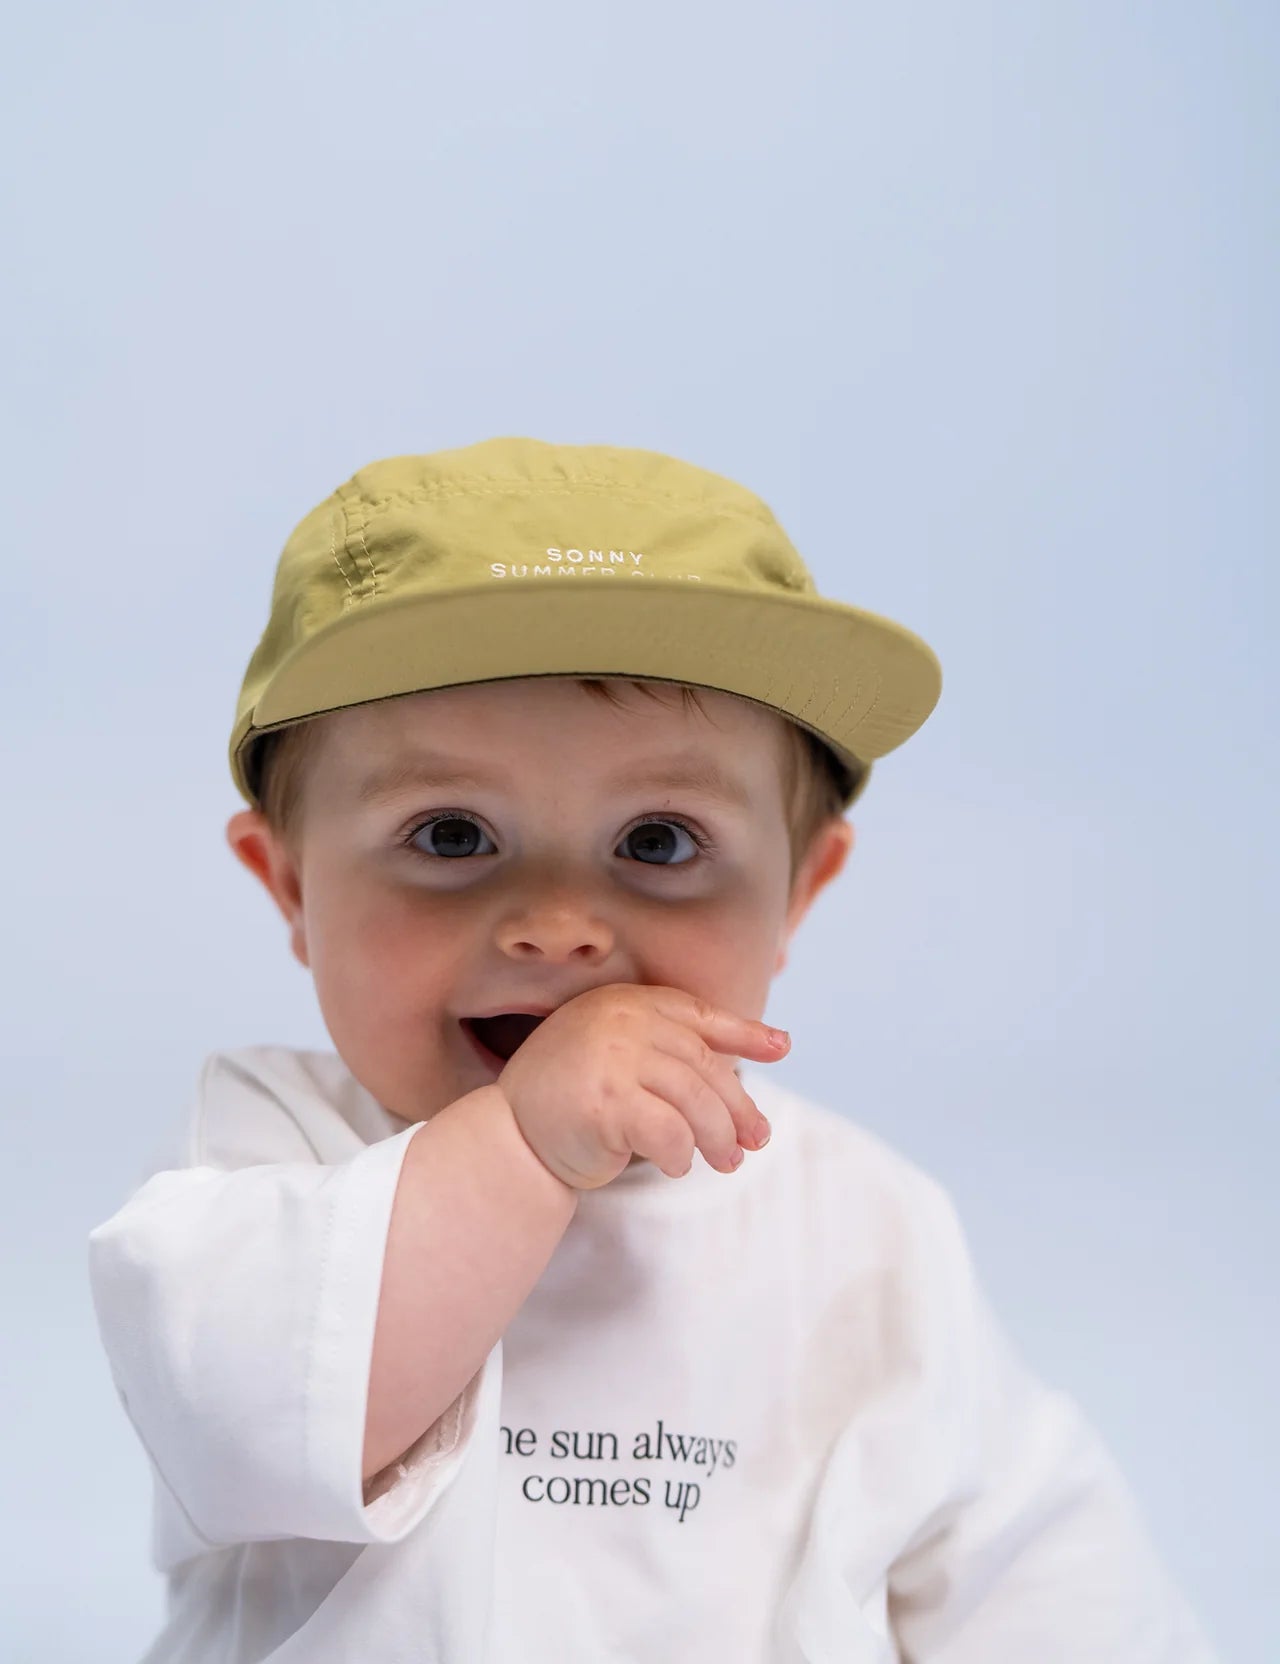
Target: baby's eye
{"points": [[652, 841], [459, 836]]}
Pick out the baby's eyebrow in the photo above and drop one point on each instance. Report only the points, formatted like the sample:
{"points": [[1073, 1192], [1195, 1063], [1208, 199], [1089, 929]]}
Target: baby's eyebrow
{"points": [[417, 770], [689, 771]]}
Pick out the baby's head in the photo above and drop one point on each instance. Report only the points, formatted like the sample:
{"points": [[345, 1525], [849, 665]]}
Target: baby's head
{"points": [[508, 845], [531, 718]]}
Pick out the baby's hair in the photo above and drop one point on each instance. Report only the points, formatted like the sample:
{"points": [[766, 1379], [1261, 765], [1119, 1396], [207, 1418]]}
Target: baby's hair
{"points": [[814, 780]]}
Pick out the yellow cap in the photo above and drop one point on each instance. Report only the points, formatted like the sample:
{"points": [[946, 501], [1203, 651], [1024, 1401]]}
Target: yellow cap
{"points": [[516, 557]]}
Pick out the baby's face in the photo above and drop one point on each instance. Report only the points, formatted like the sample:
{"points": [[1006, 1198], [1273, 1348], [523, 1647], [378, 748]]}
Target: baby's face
{"points": [[560, 864]]}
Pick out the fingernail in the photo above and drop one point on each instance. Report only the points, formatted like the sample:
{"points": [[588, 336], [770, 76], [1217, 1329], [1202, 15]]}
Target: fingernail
{"points": [[780, 1036], [764, 1132]]}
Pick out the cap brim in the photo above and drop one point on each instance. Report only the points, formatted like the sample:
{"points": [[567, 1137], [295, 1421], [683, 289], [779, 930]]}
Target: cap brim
{"points": [[861, 683]]}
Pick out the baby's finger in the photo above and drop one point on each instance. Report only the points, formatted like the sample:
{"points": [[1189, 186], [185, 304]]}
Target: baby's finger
{"points": [[703, 1102], [754, 1130], [725, 1031], [656, 1130], [677, 1039]]}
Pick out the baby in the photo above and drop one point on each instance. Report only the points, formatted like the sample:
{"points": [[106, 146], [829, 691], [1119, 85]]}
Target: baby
{"points": [[505, 1333]]}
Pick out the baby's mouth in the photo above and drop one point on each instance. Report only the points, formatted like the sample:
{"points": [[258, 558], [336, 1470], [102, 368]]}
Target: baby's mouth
{"points": [[502, 1035]]}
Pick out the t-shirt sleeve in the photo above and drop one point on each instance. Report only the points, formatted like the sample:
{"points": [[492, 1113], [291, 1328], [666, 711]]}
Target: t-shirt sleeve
{"points": [[1039, 1551], [237, 1305]]}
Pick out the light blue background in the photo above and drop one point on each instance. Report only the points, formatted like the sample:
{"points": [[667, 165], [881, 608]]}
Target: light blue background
{"points": [[982, 300]]}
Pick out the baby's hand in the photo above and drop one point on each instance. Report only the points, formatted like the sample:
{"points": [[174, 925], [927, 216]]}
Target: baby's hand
{"points": [[628, 1068]]}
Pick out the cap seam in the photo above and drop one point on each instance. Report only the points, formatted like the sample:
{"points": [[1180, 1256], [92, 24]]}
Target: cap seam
{"points": [[333, 550], [364, 544]]}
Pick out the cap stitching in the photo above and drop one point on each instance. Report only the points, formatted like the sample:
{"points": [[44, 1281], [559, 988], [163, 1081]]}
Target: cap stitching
{"points": [[844, 715], [333, 550], [368, 557]]}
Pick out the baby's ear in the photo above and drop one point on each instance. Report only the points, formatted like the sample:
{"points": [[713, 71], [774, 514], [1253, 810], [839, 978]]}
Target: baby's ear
{"points": [[826, 855], [254, 842], [247, 836]]}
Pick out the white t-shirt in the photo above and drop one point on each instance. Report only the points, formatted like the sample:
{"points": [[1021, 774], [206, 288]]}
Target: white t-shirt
{"points": [[756, 1418]]}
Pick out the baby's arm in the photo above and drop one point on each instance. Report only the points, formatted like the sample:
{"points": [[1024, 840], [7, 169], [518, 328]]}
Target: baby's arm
{"points": [[240, 1292], [476, 1218]]}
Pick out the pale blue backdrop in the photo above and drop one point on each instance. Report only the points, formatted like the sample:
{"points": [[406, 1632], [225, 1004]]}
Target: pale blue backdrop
{"points": [[982, 300]]}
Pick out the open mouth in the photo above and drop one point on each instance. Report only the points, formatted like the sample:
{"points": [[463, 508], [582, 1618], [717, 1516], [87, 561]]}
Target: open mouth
{"points": [[498, 1038]]}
